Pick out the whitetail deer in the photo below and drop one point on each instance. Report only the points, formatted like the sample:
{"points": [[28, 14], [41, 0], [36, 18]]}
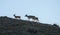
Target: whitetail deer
{"points": [[31, 17], [16, 16]]}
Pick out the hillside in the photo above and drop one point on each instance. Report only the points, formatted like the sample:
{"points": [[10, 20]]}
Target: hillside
{"points": [[10, 26]]}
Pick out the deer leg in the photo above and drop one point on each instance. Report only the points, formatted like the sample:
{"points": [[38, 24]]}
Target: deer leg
{"points": [[33, 20], [29, 19], [37, 20]]}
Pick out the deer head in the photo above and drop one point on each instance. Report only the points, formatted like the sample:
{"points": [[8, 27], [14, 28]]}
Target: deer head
{"points": [[14, 15], [26, 15]]}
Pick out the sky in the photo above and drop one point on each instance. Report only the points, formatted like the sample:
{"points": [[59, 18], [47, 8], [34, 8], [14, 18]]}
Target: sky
{"points": [[48, 11]]}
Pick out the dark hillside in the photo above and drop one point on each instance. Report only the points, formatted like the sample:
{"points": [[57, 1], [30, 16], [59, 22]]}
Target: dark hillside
{"points": [[10, 26]]}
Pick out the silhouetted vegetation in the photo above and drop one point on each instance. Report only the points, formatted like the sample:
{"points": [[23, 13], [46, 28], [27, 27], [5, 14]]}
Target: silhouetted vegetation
{"points": [[10, 26], [32, 30], [55, 25]]}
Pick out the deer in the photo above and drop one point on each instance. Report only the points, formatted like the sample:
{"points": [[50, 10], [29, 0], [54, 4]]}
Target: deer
{"points": [[31, 17], [16, 16], [36, 18]]}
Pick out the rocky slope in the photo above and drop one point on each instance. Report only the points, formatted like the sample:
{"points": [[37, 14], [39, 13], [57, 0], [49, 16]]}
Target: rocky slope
{"points": [[11, 26]]}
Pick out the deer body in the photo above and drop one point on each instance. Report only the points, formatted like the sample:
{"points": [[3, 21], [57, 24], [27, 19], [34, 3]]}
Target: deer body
{"points": [[16, 16], [32, 17], [35, 18], [29, 17]]}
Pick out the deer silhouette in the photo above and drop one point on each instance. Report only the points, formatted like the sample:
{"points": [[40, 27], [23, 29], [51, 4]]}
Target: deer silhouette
{"points": [[31, 17], [36, 18], [16, 16]]}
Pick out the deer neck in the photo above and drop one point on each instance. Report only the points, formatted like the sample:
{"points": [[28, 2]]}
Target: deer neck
{"points": [[14, 15], [26, 15]]}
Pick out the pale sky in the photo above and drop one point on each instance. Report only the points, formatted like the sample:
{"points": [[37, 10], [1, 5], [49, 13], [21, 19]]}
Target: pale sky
{"points": [[48, 11]]}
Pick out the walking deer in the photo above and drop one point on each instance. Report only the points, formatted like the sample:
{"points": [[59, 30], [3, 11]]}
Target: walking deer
{"points": [[36, 18], [31, 17], [16, 16]]}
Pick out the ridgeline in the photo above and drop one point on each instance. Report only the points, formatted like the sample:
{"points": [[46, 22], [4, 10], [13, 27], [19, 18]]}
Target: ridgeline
{"points": [[11, 26]]}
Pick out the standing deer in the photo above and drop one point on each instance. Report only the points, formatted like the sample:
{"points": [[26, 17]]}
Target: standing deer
{"points": [[31, 17], [16, 16], [36, 18]]}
